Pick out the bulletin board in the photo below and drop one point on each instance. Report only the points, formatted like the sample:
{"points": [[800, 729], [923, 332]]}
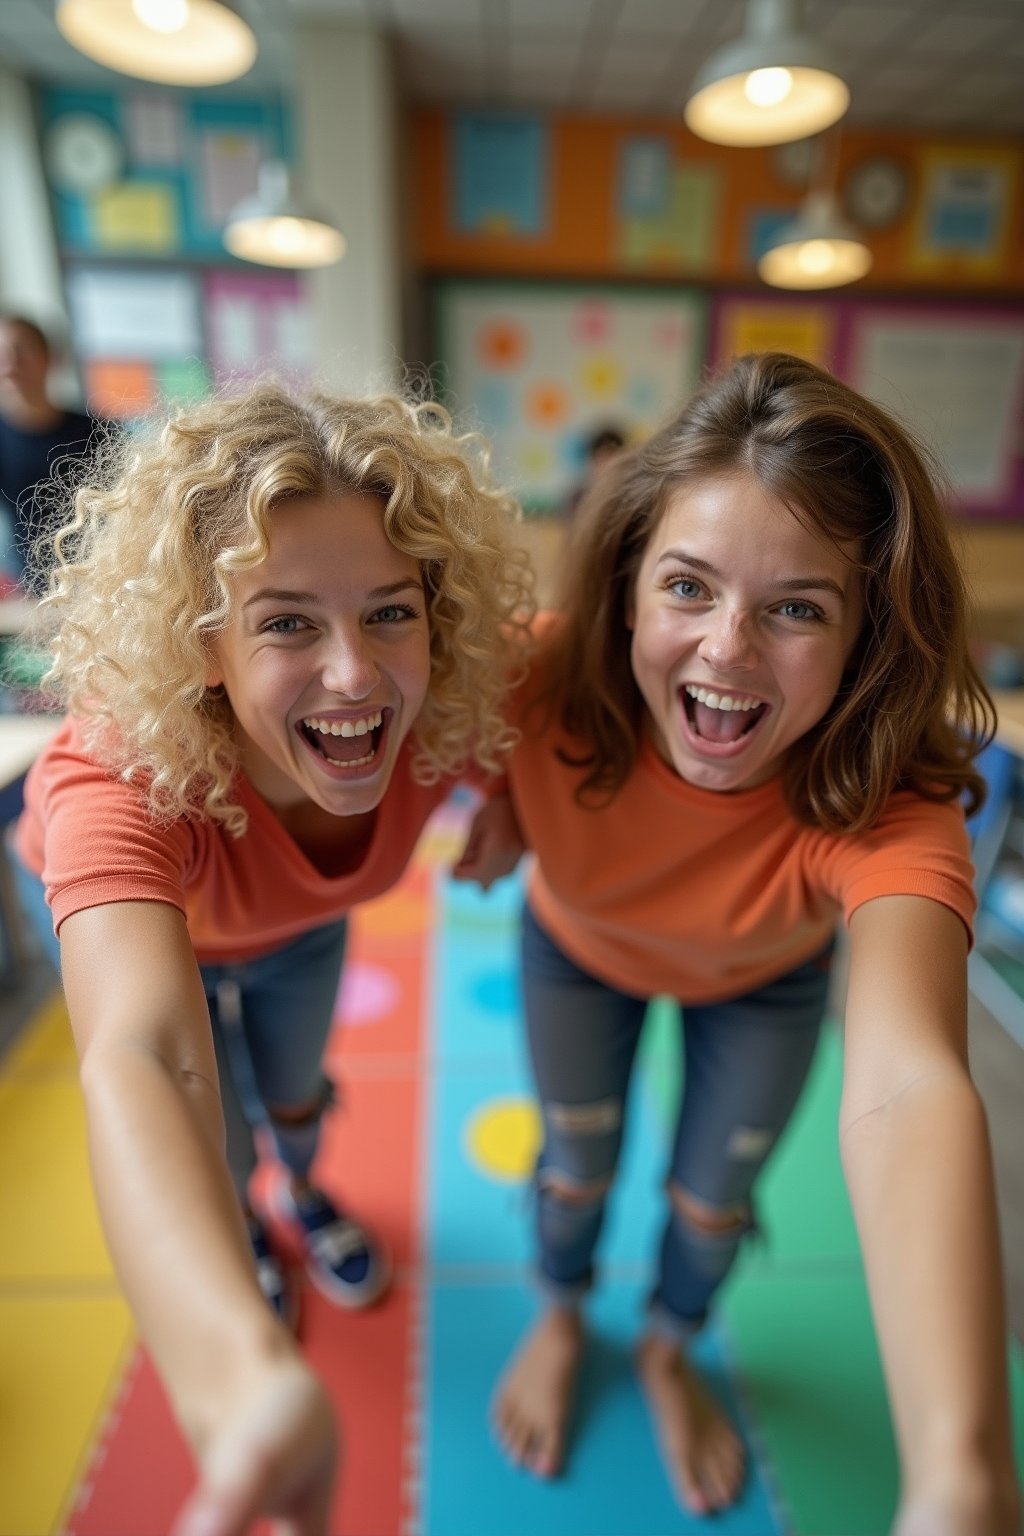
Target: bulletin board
{"points": [[153, 173], [143, 182], [538, 369], [953, 373]]}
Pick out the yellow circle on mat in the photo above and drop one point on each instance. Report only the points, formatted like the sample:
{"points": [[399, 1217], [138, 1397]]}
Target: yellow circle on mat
{"points": [[503, 1139]]}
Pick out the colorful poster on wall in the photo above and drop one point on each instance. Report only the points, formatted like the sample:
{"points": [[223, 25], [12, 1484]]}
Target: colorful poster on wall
{"points": [[666, 210], [958, 380], [133, 314], [963, 214], [137, 216], [771, 325], [257, 323], [229, 165], [539, 370], [501, 174]]}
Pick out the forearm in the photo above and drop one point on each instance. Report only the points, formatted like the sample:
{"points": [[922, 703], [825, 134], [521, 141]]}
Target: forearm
{"points": [[920, 1177], [175, 1231]]}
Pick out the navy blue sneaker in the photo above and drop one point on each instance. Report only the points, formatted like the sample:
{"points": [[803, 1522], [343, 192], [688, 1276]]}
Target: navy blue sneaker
{"points": [[271, 1274], [342, 1261]]}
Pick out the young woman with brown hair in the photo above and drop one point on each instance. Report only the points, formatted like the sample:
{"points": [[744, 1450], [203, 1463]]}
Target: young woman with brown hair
{"points": [[756, 716]]}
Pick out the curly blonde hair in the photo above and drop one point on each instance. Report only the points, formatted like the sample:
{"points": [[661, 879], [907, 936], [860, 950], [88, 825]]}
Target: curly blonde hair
{"points": [[143, 578]]}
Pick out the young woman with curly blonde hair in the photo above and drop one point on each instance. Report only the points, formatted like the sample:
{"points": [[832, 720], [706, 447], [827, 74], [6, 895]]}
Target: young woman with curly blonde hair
{"points": [[756, 717], [283, 627]]}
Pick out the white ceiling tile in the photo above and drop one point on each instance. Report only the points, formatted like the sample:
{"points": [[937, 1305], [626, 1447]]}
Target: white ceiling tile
{"points": [[862, 27], [902, 58], [956, 35], [556, 14]]}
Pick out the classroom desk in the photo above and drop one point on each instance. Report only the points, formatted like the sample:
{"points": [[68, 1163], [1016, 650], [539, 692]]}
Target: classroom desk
{"points": [[22, 738], [16, 614]]}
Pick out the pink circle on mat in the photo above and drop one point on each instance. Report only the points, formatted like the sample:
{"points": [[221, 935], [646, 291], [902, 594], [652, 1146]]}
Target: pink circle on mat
{"points": [[368, 992]]}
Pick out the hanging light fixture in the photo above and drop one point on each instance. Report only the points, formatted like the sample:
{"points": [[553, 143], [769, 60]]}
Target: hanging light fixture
{"points": [[277, 229], [177, 42], [818, 249], [773, 84]]}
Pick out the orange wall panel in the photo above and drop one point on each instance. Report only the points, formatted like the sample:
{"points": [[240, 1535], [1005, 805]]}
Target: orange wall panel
{"points": [[580, 240]]}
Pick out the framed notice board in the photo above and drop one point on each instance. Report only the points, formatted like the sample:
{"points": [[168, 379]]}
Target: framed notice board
{"points": [[539, 368]]}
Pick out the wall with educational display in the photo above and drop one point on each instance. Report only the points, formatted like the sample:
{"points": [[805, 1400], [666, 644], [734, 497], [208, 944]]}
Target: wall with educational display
{"points": [[518, 195], [142, 184], [538, 370], [587, 197]]}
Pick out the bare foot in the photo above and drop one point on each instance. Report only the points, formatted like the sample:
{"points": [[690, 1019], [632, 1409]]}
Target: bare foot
{"points": [[534, 1397], [702, 1452]]}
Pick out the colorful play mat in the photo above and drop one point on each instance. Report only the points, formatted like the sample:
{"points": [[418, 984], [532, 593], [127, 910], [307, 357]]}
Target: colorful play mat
{"points": [[433, 1144]]}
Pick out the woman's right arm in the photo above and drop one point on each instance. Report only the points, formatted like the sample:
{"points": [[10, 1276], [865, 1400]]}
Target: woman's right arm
{"points": [[255, 1415]]}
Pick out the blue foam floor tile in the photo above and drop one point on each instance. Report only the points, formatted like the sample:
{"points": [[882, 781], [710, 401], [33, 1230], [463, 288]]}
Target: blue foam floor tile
{"points": [[613, 1483]]}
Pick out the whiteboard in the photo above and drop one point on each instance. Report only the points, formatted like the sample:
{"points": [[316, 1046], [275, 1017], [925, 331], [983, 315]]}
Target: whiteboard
{"points": [[958, 382]]}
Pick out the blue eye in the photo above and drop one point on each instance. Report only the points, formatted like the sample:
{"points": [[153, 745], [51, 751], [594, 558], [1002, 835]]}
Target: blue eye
{"points": [[685, 587], [287, 624], [393, 613], [800, 611]]}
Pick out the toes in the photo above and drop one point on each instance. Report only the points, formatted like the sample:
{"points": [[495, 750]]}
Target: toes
{"points": [[546, 1456]]}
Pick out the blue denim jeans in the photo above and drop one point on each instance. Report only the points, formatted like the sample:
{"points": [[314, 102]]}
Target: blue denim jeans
{"points": [[270, 1018], [746, 1062]]}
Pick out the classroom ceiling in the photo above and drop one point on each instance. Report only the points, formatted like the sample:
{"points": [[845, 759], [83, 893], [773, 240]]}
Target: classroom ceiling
{"points": [[935, 66]]}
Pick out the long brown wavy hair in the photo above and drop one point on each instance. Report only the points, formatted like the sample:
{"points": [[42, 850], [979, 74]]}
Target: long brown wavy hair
{"points": [[912, 711], [164, 519]]}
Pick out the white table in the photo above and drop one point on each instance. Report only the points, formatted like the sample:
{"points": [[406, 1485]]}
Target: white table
{"points": [[22, 738]]}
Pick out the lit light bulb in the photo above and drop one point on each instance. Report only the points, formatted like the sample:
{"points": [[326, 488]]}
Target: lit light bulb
{"points": [[162, 15], [815, 257], [767, 87], [287, 235]]}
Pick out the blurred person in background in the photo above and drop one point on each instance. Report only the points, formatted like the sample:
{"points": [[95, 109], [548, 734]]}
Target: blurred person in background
{"points": [[602, 447], [35, 437]]}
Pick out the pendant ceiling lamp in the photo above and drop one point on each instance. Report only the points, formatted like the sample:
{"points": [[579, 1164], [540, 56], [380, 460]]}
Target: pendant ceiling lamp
{"points": [[278, 229], [177, 42], [819, 249], [773, 84]]}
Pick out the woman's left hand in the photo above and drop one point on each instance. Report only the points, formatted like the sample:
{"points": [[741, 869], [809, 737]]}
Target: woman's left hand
{"points": [[494, 845]]}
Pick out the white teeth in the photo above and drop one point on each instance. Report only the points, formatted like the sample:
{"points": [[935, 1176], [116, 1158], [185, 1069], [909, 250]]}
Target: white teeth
{"points": [[719, 700], [344, 727]]}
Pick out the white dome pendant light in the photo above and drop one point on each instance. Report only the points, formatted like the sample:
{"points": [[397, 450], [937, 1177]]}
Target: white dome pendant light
{"points": [[176, 42], [818, 249], [277, 229], [773, 84]]}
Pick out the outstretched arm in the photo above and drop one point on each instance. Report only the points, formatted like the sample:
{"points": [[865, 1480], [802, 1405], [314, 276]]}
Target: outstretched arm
{"points": [[256, 1417], [917, 1162]]}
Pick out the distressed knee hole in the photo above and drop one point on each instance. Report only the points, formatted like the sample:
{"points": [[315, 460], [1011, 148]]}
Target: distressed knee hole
{"points": [[573, 1191], [707, 1219], [294, 1116], [585, 1119]]}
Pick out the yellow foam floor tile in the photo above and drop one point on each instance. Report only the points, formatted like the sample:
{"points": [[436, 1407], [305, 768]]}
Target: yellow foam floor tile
{"points": [[46, 1044], [48, 1217], [62, 1360]]}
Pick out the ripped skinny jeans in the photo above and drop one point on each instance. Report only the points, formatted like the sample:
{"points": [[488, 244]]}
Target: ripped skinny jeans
{"points": [[746, 1062]]}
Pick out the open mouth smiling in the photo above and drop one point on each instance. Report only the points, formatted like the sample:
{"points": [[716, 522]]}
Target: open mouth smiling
{"points": [[721, 717], [346, 743]]}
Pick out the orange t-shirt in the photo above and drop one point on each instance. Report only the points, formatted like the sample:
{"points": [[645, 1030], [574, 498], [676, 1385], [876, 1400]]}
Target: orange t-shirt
{"points": [[705, 896], [91, 840]]}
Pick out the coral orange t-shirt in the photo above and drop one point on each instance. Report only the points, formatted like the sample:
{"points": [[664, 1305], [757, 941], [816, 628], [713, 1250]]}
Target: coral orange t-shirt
{"points": [[91, 840], [704, 896]]}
